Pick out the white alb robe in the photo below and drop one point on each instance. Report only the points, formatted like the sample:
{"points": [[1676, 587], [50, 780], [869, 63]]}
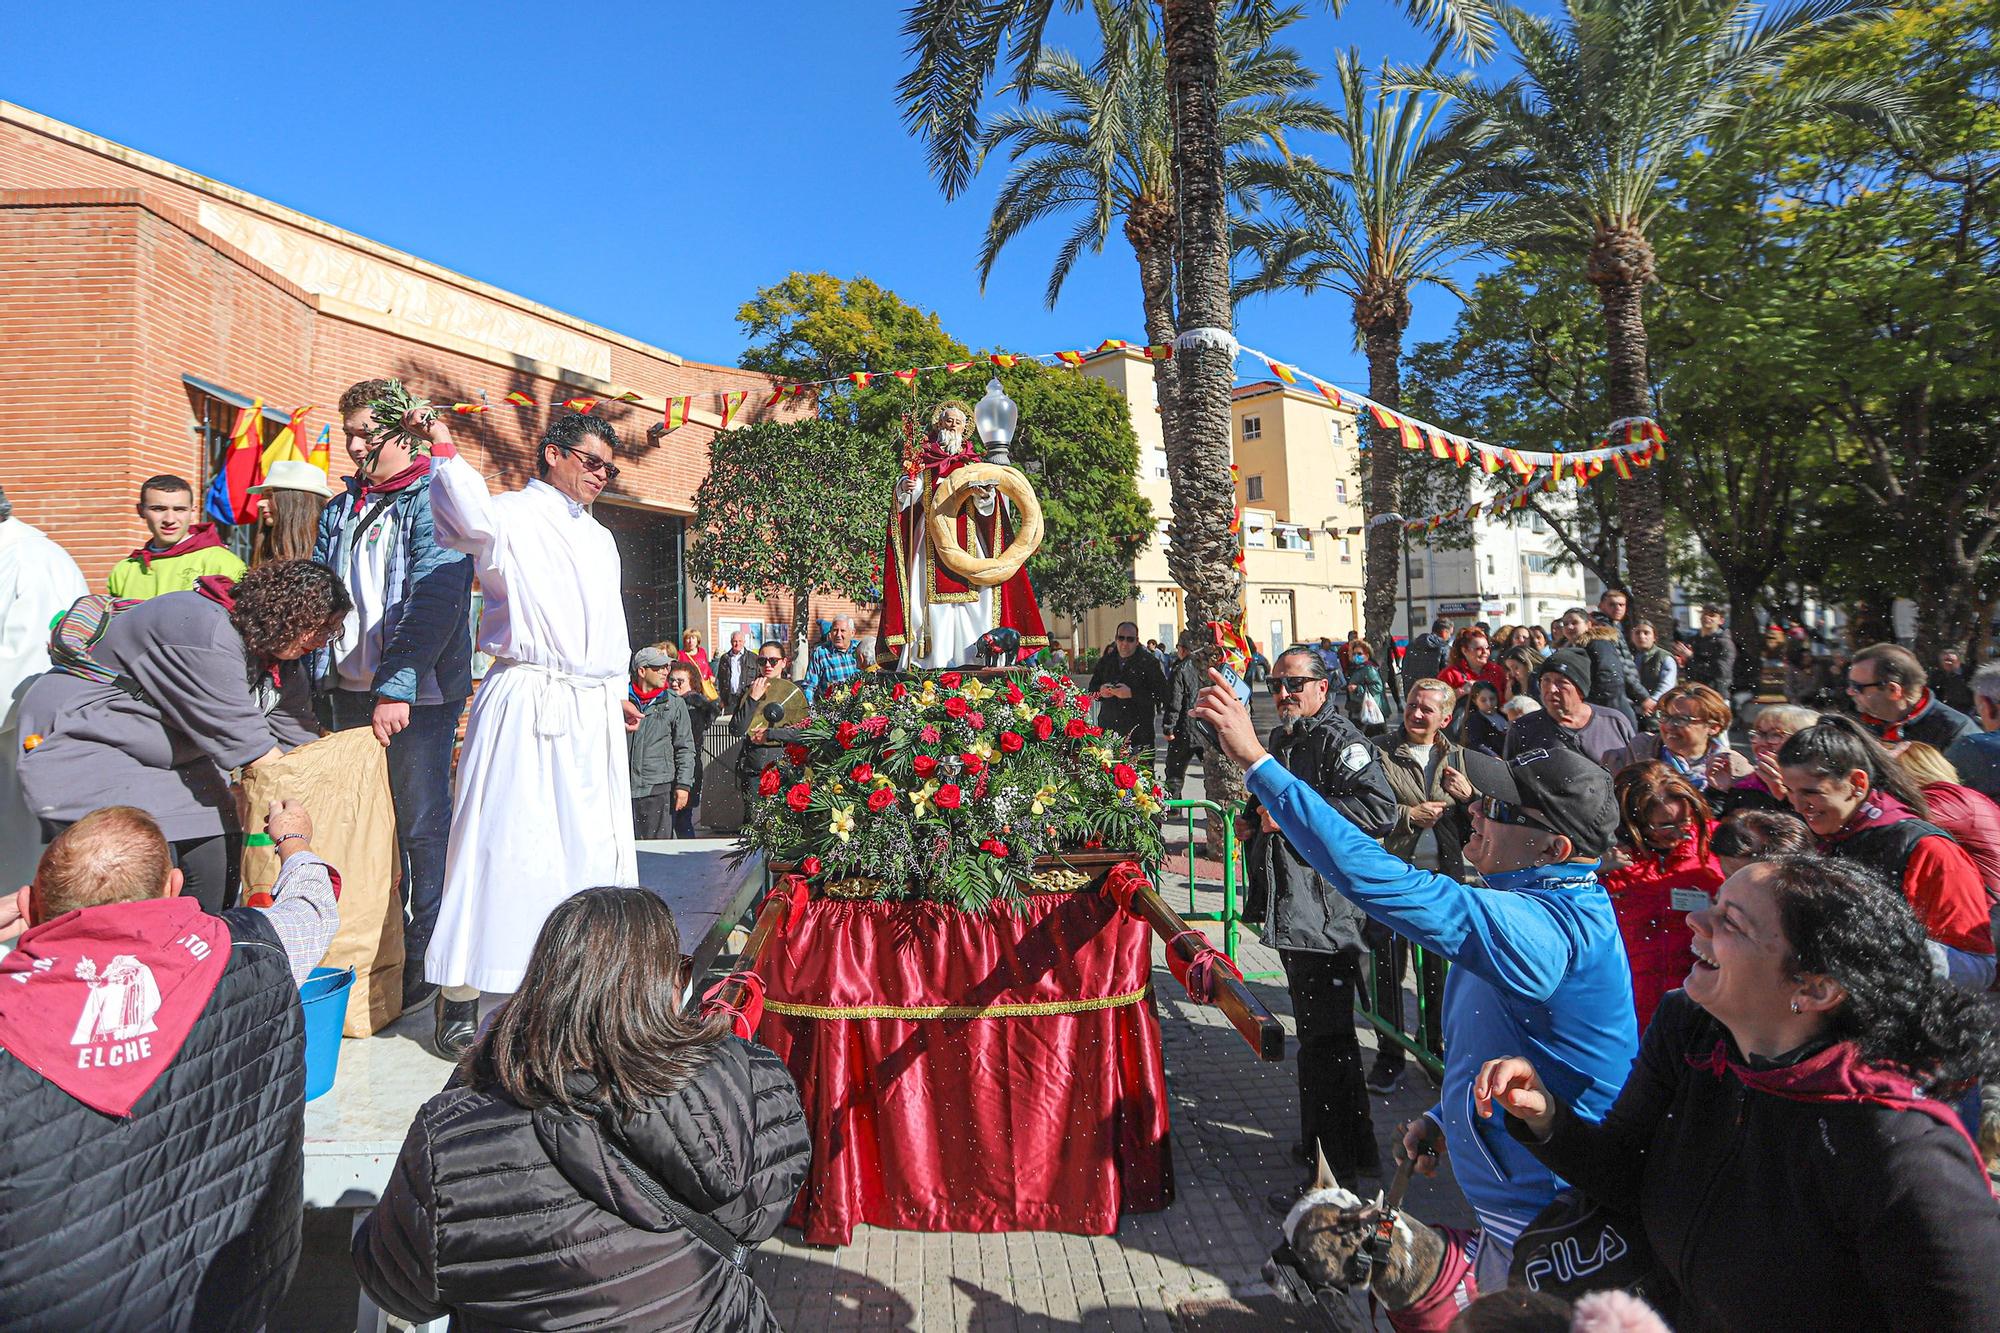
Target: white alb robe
{"points": [[38, 581], [953, 627], [543, 806]]}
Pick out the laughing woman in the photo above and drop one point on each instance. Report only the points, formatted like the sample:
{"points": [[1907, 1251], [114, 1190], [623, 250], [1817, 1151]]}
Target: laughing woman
{"points": [[1784, 1138]]}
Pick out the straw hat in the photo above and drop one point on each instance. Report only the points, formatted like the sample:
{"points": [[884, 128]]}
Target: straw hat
{"points": [[294, 474]]}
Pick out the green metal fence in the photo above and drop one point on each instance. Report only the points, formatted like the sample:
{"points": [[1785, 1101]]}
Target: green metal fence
{"points": [[1381, 1001]]}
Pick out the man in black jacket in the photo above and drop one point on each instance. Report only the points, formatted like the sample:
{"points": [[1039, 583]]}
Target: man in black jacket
{"points": [[1184, 683], [1890, 690], [152, 1063], [1129, 686], [1714, 655], [1316, 931], [734, 670]]}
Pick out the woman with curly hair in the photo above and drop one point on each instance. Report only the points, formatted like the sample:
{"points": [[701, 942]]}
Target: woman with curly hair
{"points": [[1472, 659], [208, 681], [1661, 869], [1786, 1138]]}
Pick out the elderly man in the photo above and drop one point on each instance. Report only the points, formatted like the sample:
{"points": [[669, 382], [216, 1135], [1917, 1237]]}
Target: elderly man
{"points": [[1889, 689], [1976, 755], [152, 1064], [833, 662], [663, 750], [734, 670], [1565, 719], [1129, 687], [1317, 932]]}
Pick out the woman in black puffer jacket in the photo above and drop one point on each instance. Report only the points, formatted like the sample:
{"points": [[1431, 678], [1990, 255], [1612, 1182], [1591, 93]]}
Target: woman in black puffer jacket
{"points": [[535, 1191]]}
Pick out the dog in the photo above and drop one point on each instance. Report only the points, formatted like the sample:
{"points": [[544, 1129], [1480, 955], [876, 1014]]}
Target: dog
{"points": [[1327, 1252]]}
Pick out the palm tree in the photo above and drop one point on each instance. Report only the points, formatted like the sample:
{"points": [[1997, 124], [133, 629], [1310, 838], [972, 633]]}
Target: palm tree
{"points": [[1405, 206], [1618, 104]]}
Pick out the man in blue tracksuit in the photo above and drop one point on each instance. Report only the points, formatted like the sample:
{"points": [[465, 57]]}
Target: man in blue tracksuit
{"points": [[1538, 966]]}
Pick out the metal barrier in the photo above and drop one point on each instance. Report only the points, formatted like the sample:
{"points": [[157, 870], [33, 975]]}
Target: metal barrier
{"points": [[1231, 915]]}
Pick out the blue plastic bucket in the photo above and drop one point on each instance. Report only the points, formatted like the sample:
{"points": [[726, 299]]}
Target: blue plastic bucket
{"points": [[324, 996]]}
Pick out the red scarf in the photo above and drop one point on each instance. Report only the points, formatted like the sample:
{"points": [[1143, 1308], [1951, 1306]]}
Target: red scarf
{"points": [[1838, 1074], [936, 458], [199, 538], [1892, 732], [420, 467], [644, 698], [99, 1001]]}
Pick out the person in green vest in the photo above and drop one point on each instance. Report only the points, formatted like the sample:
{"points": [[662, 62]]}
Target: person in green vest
{"points": [[177, 551]]}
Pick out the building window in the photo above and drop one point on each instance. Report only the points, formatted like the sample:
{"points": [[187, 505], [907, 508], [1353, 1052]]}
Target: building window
{"points": [[1541, 564], [1253, 489], [1340, 491], [1489, 564], [1253, 428], [1333, 429], [1166, 533], [1416, 569], [1346, 550], [650, 547], [1535, 523], [1157, 460]]}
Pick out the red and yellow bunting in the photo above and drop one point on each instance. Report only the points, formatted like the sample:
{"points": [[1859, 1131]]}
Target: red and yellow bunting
{"points": [[677, 412], [730, 403], [580, 404], [519, 399]]}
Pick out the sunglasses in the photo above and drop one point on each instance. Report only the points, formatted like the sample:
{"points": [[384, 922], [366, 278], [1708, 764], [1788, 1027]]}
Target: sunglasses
{"points": [[1128, 638], [1291, 684], [1862, 686], [772, 661], [591, 463], [1505, 812]]}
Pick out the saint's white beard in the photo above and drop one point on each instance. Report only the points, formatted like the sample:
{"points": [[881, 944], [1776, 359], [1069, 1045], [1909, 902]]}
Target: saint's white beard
{"points": [[951, 439]]}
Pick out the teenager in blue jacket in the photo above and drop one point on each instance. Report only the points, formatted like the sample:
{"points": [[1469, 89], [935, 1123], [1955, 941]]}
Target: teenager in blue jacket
{"points": [[1537, 962]]}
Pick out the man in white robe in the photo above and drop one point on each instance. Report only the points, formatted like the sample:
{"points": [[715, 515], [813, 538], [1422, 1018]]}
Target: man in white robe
{"points": [[38, 581], [543, 804]]}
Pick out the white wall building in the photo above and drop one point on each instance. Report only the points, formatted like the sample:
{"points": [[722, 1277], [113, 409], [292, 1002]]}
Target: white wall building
{"points": [[1514, 573]]}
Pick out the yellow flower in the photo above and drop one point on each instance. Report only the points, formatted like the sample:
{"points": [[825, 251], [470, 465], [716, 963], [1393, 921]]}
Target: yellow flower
{"points": [[1098, 753], [842, 822], [1025, 711], [1044, 798], [883, 780], [928, 694], [976, 690], [1146, 802], [983, 748], [920, 799]]}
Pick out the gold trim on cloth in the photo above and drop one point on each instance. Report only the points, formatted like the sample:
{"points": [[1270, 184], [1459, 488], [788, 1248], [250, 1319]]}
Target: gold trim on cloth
{"points": [[1037, 1010]]}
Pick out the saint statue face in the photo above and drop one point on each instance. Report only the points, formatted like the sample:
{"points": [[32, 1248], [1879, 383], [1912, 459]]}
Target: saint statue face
{"points": [[951, 429]]}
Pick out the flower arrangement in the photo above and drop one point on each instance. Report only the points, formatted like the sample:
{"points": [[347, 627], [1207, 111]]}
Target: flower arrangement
{"points": [[950, 787]]}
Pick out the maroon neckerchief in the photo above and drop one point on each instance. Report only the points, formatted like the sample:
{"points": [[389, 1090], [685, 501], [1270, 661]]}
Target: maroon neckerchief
{"points": [[934, 457], [419, 467], [1878, 809], [100, 1001], [221, 589], [1837, 1074], [199, 538]]}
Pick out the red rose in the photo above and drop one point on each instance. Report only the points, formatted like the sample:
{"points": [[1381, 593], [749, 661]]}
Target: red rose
{"points": [[947, 797], [1046, 682], [1011, 742], [956, 707], [799, 797], [973, 763], [795, 754], [768, 782], [861, 772], [995, 848], [1013, 693], [881, 799], [1076, 728], [845, 734], [1124, 775], [924, 764], [857, 689], [1093, 731], [1157, 793], [1045, 726], [898, 690], [811, 865], [951, 680]]}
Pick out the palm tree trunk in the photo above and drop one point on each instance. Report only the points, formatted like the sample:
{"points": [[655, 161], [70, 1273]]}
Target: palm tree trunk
{"points": [[1621, 267], [1203, 555], [1149, 229], [1383, 541]]}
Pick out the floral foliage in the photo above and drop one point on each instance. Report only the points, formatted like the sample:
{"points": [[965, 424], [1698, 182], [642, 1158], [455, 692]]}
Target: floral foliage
{"points": [[948, 788]]}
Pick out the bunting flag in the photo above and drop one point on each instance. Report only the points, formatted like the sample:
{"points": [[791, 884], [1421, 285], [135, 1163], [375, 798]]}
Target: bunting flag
{"points": [[1520, 464], [1331, 394], [628, 397], [777, 396], [1070, 358], [1440, 447], [579, 404], [321, 453], [677, 412], [1622, 465], [1490, 463], [1160, 352], [906, 376], [1003, 359], [859, 379], [953, 367], [730, 402], [1282, 372], [1234, 648], [519, 399], [1112, 345], [470, 409]]}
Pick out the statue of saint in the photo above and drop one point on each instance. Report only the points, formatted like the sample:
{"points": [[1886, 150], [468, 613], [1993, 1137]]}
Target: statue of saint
{"points": [[930, 616]]}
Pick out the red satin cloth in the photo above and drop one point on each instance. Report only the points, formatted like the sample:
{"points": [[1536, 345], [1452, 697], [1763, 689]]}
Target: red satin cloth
{"points": [[1044, 1122]]}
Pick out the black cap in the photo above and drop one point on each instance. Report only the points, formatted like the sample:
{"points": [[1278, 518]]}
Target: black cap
{"points": [[1571, 662], [1570, 793]]}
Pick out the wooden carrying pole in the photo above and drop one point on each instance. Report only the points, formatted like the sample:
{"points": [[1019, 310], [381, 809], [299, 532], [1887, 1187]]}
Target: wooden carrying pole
{"points": [[733, 993], [1264, 1033]]}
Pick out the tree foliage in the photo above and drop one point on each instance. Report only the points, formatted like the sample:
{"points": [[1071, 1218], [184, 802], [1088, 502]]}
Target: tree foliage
{"points": [[814, 326]]}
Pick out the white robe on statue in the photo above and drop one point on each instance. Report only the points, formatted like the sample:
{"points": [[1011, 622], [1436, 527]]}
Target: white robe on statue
{"points": [[38, 581], [954, 627], [543, 806]]}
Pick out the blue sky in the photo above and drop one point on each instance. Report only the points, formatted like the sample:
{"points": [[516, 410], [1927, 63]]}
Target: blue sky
{"points": [[643, 166]]}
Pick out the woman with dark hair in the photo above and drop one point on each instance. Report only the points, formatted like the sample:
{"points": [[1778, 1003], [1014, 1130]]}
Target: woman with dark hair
{"points": [[1664, 869], [600, 1153], [294, 492], [1862, 807], [1521, 664], [1364, 683], [1744, 836], [207, 682], [1785, 1138]]}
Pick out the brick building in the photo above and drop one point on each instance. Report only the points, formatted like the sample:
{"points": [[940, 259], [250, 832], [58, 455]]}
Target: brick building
{"points": [[142, 305]]}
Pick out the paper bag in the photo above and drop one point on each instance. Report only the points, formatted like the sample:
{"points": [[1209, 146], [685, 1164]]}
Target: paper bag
{"points": [[343, 782]]}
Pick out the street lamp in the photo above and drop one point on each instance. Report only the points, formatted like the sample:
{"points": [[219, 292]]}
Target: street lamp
{"points": [[996, 415]]}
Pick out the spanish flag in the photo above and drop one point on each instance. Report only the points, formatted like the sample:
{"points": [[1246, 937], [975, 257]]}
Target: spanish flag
{"points": [[1112, 345], [1489, 462], [1003, 359], [1331, 394], [1282, 372], [906, 376], [1070, 358], [469, 409], [627, 397], [579, 404], [285, 446], [953, 367], [1622, 465], [777, 395], [1440, 447], [519, 399], [677, 412], [1160, 352], [1520, 464], [730, 403], [859, 379]]}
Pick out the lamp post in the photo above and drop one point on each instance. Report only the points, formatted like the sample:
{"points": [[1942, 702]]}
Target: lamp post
{"points": [[995, 416]]}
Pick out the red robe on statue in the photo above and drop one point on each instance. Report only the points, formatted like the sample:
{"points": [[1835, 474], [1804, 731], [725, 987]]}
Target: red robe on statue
{"points": [[904, 617]]}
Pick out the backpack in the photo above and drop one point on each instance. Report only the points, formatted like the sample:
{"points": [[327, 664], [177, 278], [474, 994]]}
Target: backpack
{"points": [[76, 631]]}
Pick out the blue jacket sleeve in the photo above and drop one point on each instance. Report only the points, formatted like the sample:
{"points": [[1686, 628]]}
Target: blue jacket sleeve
{"points": [[1510, 939], [438, 606]]}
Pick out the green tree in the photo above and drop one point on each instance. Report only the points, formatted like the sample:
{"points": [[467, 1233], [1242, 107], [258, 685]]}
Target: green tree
{"points": [[793, 507], [814, 326], [1619, 104], [1396, 214]]}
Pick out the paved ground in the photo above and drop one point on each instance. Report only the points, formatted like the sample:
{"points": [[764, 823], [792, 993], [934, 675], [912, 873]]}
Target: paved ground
{"points": [[1194, 1267]]}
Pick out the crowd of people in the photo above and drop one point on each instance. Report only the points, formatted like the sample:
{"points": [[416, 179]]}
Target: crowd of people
{"points": [[1743, 996]]}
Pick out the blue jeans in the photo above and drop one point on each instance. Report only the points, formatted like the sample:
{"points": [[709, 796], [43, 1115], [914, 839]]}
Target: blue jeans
{"points": [[420, 787]]}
